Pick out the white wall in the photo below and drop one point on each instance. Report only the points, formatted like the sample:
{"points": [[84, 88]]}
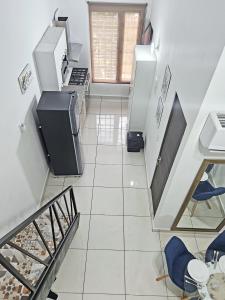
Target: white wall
{"points": [[23, 168], [191, 38], [77, 11], [193, 154]]}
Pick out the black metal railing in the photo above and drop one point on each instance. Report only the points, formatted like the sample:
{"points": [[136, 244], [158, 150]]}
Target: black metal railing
{"points": [[31, 254]]}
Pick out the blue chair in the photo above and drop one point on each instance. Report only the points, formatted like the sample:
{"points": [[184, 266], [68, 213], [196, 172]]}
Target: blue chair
{"points": [[217, 245], [209, 168], [177, 258], [204, 192]]}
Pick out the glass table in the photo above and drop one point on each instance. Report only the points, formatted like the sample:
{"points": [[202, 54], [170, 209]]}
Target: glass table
{"points": [[213, 289]]}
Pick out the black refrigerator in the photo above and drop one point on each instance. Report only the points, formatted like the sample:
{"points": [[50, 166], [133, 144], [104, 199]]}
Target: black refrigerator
{"points": [[58, 114]]}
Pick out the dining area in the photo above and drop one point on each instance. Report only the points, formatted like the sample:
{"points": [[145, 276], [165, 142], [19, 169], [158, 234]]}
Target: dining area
{"points": [[199, 275]]}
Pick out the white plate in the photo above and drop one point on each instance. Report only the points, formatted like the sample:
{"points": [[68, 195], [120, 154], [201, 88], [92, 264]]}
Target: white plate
{"points": [[222, 263], [198, 270]]}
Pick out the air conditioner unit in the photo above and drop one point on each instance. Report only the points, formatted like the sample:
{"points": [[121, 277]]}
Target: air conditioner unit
{"points": [[212, 136]]}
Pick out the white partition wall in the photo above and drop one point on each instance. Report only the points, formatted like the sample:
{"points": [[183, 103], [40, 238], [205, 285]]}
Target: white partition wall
{"points": [[192, 155]]}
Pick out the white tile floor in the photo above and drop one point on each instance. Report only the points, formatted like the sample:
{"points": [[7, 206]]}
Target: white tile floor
{"points": [[115, 255]]}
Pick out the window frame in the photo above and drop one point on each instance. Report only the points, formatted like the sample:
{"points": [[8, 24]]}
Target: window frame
{"points": [[121, 8]]}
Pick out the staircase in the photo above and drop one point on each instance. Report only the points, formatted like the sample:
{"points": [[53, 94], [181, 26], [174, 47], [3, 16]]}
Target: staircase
{"points": [[31, 254]]}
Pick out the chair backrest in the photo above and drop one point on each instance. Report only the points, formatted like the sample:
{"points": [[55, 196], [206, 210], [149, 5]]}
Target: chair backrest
{"points": [[209, 168], [218, 243], [205, 191], [203, 187], [177, 258]]}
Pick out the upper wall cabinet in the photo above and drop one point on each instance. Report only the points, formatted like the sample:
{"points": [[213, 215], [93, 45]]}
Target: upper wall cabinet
{"points": [[49, 55], [141, 85]]}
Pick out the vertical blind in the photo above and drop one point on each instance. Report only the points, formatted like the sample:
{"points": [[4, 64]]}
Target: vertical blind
{"points": [[115, 30]]}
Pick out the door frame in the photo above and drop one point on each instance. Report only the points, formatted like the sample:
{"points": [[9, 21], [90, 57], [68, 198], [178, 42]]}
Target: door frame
{"points": [[193, 187], [161, 147]]}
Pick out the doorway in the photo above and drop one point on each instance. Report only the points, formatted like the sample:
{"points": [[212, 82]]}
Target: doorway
{"points": [[173, 135]]}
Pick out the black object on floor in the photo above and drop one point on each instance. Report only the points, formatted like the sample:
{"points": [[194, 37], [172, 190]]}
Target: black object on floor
{"points": [[52, 295], [135, 141]]}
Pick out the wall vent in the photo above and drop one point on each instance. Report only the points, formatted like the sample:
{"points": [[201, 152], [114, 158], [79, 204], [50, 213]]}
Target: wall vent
{"points": [[221, 118]]}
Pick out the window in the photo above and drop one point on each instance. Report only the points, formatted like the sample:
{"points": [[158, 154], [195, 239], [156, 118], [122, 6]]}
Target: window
{"points": [[115, 30]]}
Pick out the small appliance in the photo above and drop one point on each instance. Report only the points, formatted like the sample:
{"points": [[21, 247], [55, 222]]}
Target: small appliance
{"points": [[212, 136]]}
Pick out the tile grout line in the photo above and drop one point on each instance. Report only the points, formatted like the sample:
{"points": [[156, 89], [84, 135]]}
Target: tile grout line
{"points": [[124, 257], [85, 268], [101, 186], [115, 215], [117, 250], [110, 294]]}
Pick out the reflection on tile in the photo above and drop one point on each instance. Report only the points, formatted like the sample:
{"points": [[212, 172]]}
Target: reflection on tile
{"points": [[109, 154], [133, 158], [124, 137], [104, 272], [124, 123], [111, 107], [142, 268], [89, 153], [113, 121], [109, 136], [89, 136], [106, 232], [108, 201], [85, 180], [136, 202], [72, 267], [83, 196], [124, 107], [139, 234], [134, 176], [91, 121], [93, 106], [108, 176]]}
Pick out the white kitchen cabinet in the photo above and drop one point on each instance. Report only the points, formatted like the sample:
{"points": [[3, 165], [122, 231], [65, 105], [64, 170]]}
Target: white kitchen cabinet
{"points": [[140, 87], [49, 55]]}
